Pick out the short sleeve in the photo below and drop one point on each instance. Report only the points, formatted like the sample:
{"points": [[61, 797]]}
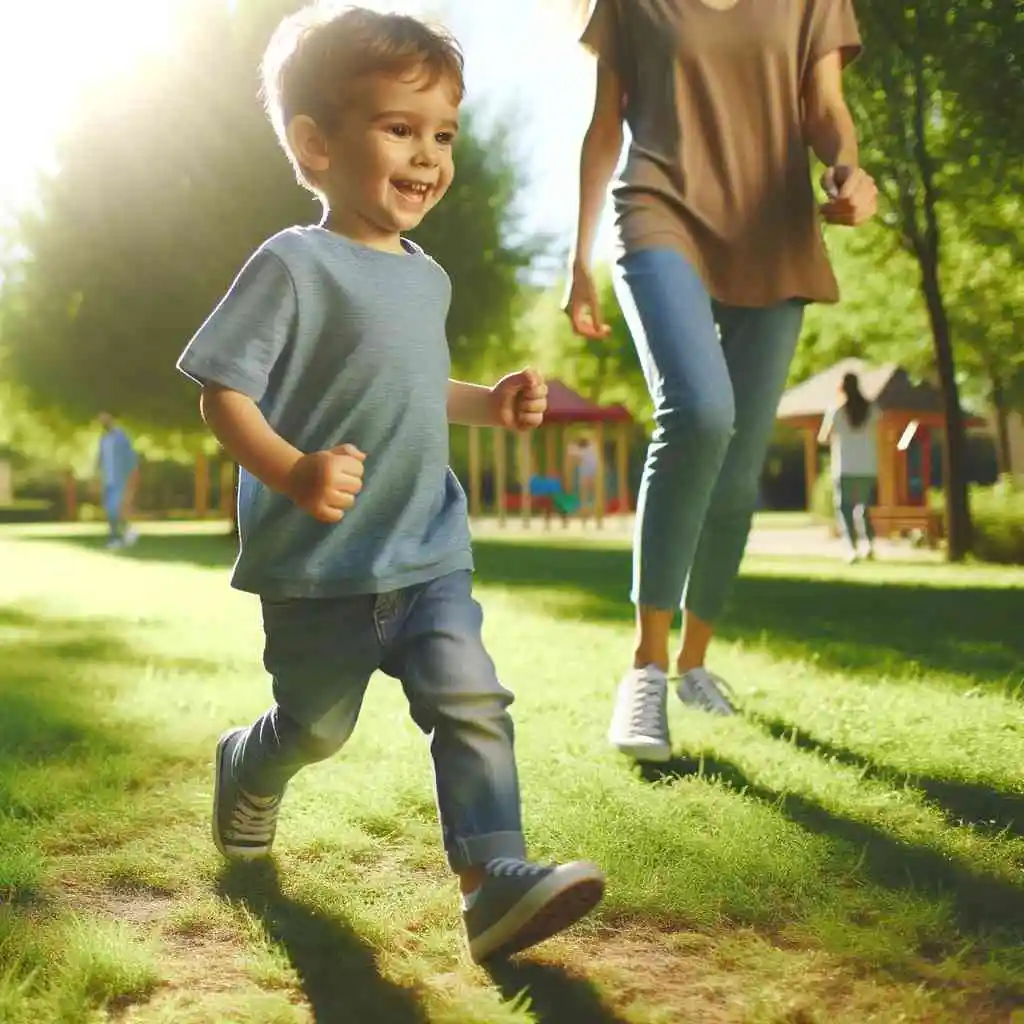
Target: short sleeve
{"points": [[245, 335], [833, 26], [602, 33]]}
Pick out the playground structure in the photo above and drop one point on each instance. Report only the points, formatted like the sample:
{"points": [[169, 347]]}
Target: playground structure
{"points": [[544, 487], [911, 417], [551, 492]]}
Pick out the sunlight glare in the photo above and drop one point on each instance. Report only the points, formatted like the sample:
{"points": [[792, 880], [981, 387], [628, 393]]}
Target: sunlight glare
{"points": [[48, 51]]}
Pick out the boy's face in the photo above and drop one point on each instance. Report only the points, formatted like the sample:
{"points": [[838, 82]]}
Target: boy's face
{"points": [[390, 162]]}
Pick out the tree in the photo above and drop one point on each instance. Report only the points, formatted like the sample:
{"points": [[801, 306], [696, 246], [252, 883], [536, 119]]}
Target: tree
{"points": [[165, 184], [915, 106]]}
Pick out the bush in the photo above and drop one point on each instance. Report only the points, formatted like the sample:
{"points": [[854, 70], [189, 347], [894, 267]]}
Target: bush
{"points": [[998, 514]]}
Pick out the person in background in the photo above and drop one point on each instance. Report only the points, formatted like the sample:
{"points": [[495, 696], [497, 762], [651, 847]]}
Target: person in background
{"points": [[117, 467], [584, 454], [850, 428]]}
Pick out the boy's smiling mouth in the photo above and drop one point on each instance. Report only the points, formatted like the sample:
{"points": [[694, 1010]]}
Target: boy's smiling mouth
{"points": [[411, 191]]}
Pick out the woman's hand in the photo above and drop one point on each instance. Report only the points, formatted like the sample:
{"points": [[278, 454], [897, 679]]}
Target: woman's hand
{"points": [[583, 307], [853, 196]]}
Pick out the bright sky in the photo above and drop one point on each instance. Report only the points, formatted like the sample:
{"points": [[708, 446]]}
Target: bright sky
{"points": [[47, 49]]}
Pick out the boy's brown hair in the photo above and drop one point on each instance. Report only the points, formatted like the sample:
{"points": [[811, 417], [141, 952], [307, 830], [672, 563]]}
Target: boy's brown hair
{"points": [[317, 52]]}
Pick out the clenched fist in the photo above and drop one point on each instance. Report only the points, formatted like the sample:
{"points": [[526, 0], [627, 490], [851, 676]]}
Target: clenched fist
{"points": [[325, 484], [520, 400]]}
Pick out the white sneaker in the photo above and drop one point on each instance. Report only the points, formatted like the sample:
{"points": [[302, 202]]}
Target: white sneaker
{"points": [[639, 725], [699, 688], [131, 538]]}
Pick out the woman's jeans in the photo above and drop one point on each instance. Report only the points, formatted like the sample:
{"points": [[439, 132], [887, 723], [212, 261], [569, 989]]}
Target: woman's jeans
{"points": [[854, 495], [716, 374]]}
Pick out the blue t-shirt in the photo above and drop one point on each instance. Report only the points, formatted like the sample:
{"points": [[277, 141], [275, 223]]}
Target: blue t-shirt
{"points": [[340, 343]]}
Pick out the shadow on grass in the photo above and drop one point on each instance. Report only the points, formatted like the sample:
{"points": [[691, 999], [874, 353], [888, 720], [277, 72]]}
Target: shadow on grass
{"points": [[43, 716], [555, 996], [983, 805], [336, 968], [338, 972], [899, 630], [981, 904], [48, 721]]}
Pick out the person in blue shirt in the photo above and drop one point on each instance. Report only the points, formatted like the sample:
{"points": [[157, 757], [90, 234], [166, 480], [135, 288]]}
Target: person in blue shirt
{"points": [[325, 375], [117, 467]]}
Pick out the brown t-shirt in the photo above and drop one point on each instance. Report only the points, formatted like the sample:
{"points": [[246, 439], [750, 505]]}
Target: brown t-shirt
{"points": [[718, 166]]}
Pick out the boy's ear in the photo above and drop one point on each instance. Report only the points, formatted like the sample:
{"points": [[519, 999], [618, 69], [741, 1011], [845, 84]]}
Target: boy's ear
{"points": [[308, 144]]}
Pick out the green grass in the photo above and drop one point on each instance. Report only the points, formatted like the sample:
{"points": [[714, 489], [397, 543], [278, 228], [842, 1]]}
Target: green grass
{"points": [[849, 850]]}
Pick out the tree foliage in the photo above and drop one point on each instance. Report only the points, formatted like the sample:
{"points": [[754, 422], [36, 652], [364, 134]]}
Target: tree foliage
{"points": [[921, 116], [166, 182]]}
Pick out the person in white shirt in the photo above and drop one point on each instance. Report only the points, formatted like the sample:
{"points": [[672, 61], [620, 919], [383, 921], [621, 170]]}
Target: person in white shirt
{"points": [[584, 453], [850, 429]]}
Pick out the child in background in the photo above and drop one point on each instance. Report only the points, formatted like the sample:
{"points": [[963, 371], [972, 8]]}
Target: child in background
{"points": [[325, 374]]}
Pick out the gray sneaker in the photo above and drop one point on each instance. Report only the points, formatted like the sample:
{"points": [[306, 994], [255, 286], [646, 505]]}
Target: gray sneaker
{"points": [[520, 904], [243, 825], [702, 689], [639, 725]]}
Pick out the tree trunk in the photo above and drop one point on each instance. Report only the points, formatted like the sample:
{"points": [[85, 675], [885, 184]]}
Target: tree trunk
{"points": [[927, 248], [958, 512], [1002, 417]]}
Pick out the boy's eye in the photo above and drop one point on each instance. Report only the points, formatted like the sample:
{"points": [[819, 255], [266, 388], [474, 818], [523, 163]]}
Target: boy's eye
{"points": [[401, 131], [445, 138]]}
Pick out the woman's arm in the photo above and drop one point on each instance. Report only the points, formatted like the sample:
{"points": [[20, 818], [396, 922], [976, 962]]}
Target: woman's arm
{"points": [[599, 156], [830, 132], [828, 123]]}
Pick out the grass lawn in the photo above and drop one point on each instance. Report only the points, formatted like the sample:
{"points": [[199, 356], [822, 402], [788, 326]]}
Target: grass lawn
{"points": [[849, 850]]}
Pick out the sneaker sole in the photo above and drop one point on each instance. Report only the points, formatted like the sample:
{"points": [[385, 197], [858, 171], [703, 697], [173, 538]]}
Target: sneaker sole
{"points": [[219, 768], [548, 908], [656, 753]]}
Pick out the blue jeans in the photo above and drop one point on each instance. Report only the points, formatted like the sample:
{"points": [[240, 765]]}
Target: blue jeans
{"points": [[113, 506], [716, 374], [321, 654], [854, 495]]}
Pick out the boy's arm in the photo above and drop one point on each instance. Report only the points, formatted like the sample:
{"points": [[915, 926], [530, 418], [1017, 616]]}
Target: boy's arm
{"points": [[232, 357], [472, 405], [518, 402], [237, 423]]}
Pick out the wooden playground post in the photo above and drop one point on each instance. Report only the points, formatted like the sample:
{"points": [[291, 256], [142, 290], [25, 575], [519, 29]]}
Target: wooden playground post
{"points": [[202, 487], [525, 471], [550, 449], [811, 462], [227, 488], [500, 473], [599, 477], [70, 496], [622, 466], [474, 472]]}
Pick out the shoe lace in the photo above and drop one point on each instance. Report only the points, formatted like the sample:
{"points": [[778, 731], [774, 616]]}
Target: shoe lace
{"points": [[255, 818], [646, 692], [511, 867], [712, 691]]}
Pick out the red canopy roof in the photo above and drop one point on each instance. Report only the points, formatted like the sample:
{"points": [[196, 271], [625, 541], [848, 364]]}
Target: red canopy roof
{"points": [[567, 406]]}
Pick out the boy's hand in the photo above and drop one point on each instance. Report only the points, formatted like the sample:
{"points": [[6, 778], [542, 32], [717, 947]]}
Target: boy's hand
{"points": [[520, 400], [326, 483]]}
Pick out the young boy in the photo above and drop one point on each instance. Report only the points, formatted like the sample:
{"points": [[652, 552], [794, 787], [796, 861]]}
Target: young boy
{"points": [[325, 375]]}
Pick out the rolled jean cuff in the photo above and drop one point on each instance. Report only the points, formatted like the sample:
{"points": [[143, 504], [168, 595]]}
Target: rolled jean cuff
{"points": [[477, 850]]}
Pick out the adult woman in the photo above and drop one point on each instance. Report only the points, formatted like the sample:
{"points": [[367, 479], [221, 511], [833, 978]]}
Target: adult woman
{"points": [[850, 430], [722, 249]]}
